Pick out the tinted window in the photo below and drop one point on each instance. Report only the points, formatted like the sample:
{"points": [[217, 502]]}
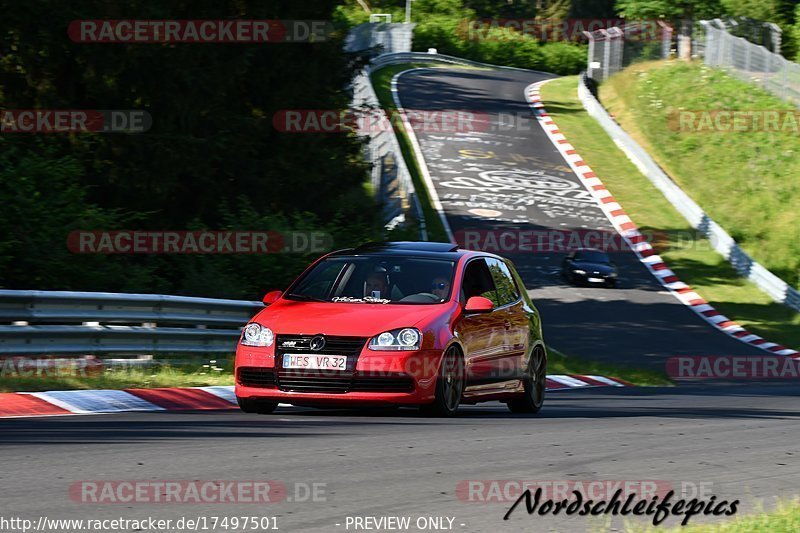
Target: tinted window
{"points": [[376, 279], [478, 282], [507, 291]]}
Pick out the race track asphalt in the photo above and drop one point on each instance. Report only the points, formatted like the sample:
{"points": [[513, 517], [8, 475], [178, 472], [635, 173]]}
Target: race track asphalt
{"points": [[735, 442], [504, 163]]}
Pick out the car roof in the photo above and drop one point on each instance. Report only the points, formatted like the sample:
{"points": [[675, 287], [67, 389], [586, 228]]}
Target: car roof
{"points": [[428, 250]]}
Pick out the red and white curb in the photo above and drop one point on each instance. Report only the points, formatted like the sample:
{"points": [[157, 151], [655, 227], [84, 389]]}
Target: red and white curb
{"points": [[84, 402], [638, 242]]}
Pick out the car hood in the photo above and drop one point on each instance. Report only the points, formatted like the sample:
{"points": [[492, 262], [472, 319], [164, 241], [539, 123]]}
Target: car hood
{"points": [[591, 268], [350, 319]]}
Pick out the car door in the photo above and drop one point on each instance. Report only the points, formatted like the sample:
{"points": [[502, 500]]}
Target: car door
{"points": [[516, 326], [480, 333]]}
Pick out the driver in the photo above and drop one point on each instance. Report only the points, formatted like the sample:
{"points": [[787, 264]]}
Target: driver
{"points": [[440, 286], [376, 282]]}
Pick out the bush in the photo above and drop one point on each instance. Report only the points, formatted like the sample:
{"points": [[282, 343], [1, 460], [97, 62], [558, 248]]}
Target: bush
{"points": [[498, 47], [564, 58]]}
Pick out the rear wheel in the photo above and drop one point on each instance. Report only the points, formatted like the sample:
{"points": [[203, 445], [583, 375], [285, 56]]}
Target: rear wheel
{"points": [[449, 386], [262, 407], [535, 382]]}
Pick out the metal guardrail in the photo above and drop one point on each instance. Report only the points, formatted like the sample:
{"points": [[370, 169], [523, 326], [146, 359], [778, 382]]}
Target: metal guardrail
{"points": [[97, 322], [746, 266]]}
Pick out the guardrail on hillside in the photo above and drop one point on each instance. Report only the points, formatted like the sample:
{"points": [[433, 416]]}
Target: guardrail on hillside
{"points": [[56, 322], [776, 288]]}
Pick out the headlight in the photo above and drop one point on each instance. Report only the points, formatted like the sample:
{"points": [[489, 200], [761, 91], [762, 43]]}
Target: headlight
{"points": [[397, 339], [579, 271], [257, 335], [612, 275]]}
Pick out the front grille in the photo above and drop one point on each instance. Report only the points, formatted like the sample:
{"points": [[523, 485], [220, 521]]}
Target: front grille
{"points": [[314, 381], [334, 345], [317, 380], [329, 381], [392, 383], [257, 377]]}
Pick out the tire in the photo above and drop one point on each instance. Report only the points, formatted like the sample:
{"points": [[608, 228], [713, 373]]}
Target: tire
{"points": [[449, 386], [261, 407], [535, 383]]}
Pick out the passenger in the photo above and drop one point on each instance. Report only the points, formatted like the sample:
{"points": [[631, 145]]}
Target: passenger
{"points": [[440, 287]]}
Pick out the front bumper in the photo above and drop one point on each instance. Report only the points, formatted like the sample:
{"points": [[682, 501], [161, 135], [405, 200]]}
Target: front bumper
{"points": [[594, 279], [374, 381]]}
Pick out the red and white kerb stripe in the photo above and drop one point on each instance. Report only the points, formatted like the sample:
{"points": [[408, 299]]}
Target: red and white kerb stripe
{"points": [[638, 242]]}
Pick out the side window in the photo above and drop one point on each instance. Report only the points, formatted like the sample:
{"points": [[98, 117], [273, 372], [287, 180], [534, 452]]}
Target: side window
{"points": [[507, 291], [478, 282]]}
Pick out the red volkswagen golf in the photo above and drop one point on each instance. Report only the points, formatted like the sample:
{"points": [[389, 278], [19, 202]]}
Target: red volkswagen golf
{"points": [[400, 323]]}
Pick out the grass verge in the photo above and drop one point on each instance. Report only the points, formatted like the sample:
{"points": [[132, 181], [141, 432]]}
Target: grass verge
{"points": [[558, 363], [125, 378], [210, 374], [744, 177], [693, 260]]}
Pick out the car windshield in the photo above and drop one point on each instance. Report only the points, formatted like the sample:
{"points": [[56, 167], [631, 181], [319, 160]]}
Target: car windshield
{"points": [[591, 256], [376, 280]]}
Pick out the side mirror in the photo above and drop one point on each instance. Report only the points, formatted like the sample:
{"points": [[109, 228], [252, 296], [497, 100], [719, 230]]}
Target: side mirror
{"points": [[271, 297], [479, 304]]}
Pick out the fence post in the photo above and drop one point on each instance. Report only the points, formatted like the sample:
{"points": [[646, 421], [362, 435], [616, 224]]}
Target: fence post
{"points": [[666, 39], [590, 57]]}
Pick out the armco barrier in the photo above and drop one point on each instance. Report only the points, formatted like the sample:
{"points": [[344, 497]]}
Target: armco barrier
{"points": [[54, 322], [746, 266]]}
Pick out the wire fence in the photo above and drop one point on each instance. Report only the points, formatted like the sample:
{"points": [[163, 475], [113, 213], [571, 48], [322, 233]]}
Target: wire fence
{"points": [[751, 62], [612, 49]]}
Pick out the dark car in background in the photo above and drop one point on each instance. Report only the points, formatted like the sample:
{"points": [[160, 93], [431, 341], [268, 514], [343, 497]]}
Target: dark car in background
{"points": [[589, 266]]}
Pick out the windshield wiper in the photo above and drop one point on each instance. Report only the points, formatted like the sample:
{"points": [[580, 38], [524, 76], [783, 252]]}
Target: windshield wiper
{"points": [[305, 298]]}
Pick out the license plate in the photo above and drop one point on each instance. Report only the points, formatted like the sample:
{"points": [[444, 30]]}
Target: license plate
{"points": [[315, 362], [596, 280]]}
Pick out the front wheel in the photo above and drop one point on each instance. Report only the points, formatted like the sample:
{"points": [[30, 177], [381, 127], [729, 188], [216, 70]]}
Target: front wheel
{"points": [[262, 407], [449, 386], [535, 383]]}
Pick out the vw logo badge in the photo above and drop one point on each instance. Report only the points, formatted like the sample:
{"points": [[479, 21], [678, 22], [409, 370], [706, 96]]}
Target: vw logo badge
{"points": [[317, 343]]}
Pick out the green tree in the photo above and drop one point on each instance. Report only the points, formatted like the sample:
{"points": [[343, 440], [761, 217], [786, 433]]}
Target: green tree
{"points": [[213, 142]]}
